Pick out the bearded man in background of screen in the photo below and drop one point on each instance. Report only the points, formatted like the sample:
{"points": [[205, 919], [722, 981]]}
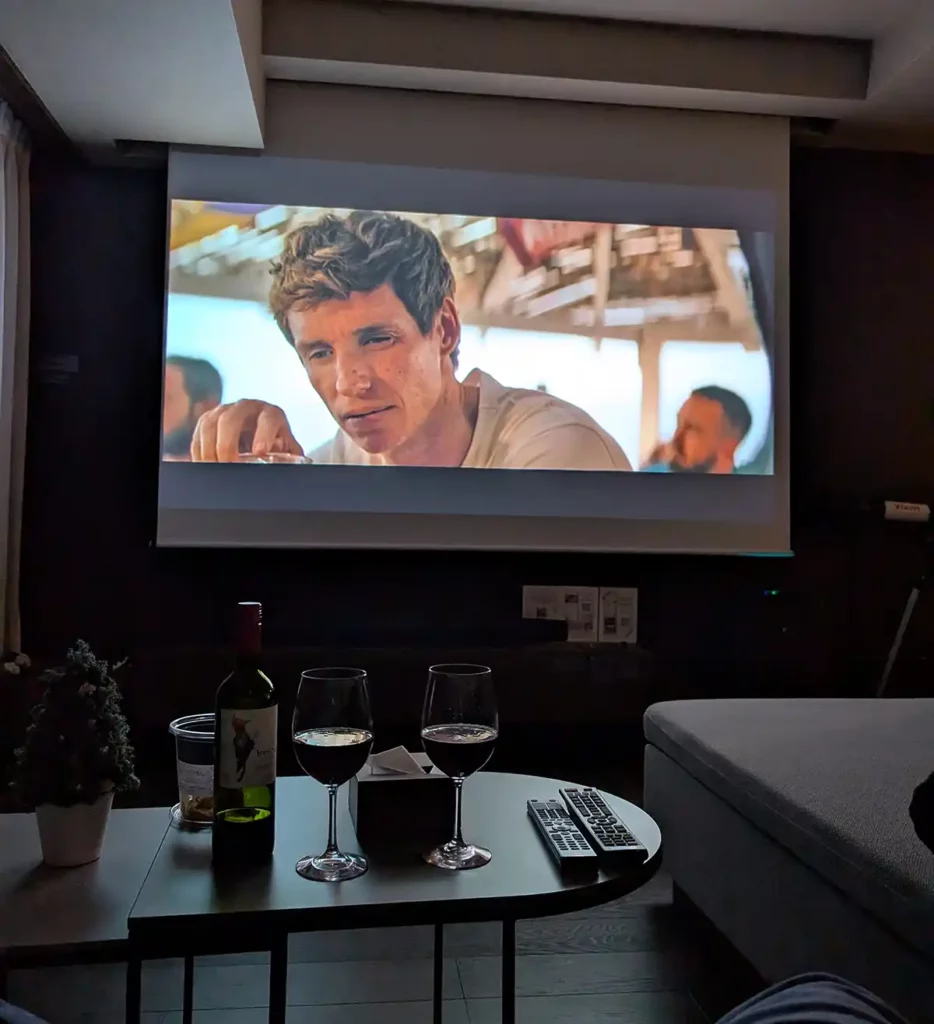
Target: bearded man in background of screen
{"points": [[712, 424], [191, 388], [367, 302]]}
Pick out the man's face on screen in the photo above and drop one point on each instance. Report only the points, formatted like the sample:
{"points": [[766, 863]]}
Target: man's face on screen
{"points": [[178, 421], [701, 437], [379, 376]]}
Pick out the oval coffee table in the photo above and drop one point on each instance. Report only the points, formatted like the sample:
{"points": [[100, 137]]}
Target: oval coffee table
{"points": [[184, 910]]}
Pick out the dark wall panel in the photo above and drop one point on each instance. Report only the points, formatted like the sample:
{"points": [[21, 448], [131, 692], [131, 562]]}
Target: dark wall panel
{"points": [[863, 323]]}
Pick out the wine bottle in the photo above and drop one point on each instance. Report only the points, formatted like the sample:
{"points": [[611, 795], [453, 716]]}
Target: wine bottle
{"points": [[245, 726]]}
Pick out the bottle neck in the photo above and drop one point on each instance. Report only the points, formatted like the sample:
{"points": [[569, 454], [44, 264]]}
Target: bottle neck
{"points": [[249, 645], [249, 635], [246, 660]]}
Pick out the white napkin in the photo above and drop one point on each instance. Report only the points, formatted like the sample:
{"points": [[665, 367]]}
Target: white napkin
{"points": [[397, 761]]}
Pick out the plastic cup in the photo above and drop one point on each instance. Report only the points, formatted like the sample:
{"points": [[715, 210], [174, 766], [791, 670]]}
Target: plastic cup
{"points": [[194, 762]]}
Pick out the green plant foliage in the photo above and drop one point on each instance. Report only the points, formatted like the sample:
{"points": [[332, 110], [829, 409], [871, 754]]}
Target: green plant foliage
{"points": [[77, 743]]}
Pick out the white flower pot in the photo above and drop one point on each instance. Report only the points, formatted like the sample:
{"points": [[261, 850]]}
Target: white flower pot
{"points": [[70, 836]]}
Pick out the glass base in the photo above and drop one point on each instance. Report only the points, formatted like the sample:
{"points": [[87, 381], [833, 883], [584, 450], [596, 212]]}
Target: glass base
{"points": [[332, 867], [458, 858]]}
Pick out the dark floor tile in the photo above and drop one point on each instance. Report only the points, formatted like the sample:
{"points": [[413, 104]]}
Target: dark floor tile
{"points": [[65, 994], [483, 938], [332, 946], [116, 1017], [91, 993], [455, 1012], [233, 987], [696, 1015], [232, 959], [615, 1008], [654, 928], [581, 974], [362, 944], [162, 985], [368, 981], [237, 985], [244, 1015]]}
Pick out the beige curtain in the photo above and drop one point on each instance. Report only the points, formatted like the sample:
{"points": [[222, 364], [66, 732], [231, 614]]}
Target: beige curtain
{"points": [[14, 363]]}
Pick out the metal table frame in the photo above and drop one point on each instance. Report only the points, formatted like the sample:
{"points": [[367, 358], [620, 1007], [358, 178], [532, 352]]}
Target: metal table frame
{"points": [[162, 924], [278, 949]]}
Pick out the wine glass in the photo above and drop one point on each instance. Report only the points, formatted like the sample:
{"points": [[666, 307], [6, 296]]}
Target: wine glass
{"points": [[274, 459], [332, 732], [459, 729]]}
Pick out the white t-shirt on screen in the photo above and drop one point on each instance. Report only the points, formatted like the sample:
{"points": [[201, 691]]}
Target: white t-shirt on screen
{"points": [[516, 429]]}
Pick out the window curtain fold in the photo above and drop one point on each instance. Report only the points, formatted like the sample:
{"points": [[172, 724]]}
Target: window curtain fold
{"points": [[14, 363]]}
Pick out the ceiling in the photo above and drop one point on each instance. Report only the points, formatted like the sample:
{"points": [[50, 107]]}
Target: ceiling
{"points": [[168, 71], [194, 72]]}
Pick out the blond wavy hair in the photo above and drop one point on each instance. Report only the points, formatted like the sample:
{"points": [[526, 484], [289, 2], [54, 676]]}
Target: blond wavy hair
{"points": [[335, 256]]}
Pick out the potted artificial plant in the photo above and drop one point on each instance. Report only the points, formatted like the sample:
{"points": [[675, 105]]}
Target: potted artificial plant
{"points": [[76, 756]]}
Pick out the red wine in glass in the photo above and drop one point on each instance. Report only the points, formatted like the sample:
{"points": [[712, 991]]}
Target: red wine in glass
{"points": [[332, 755], [460, 748]]}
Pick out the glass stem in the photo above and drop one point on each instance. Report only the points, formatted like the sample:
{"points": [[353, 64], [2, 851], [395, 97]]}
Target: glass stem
{"points": [[332, 822], [458, 830]]}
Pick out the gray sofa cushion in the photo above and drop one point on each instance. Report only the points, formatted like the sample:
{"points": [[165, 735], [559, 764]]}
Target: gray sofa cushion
{"points": [[830, 780]]}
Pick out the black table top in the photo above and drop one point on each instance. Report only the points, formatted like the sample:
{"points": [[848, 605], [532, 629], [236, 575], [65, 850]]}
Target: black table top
{"points": [[183, 907], [50, 913]]}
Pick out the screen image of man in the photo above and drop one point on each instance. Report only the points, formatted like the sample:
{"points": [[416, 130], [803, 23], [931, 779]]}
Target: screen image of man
{"points": [[192, 388], [712, 424], [367, 302]]}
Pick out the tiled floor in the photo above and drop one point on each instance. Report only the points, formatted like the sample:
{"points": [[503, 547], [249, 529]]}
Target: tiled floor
{"points": [[629, 962]]}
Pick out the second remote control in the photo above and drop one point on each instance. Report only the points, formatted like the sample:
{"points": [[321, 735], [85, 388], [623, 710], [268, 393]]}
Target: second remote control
{"points": [[605, 831], [568, 847]]}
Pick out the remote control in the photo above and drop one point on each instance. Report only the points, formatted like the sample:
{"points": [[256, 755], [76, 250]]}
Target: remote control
{"points": [[606, 833], [566, 843]]}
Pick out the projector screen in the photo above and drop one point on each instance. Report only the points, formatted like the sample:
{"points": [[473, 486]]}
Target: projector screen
{"points": [[390, 356]]}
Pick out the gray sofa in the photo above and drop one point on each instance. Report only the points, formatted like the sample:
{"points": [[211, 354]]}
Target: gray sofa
{"points": [[786, 822]]}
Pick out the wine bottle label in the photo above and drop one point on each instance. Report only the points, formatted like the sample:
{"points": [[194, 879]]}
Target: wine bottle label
{"points": [[247, 755], [195, 779]]}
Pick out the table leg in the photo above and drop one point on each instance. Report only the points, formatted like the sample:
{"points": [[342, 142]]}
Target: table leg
{"points": [[278, 976], [509, 973], [438, 987], [188, 990], [134, 981], [4, 978]]}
